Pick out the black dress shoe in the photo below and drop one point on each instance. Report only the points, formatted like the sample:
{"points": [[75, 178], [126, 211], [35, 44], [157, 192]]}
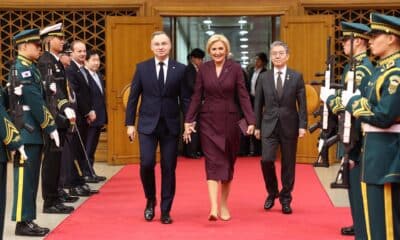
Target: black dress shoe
{"points": [[58, 208], [29, 228], [79, 191], [88, 189], [149, 210], [166, 218], [286, 209], [192, 156], [100, 178], [269, 202], [65, 197], [347, 231], [90, 179]]}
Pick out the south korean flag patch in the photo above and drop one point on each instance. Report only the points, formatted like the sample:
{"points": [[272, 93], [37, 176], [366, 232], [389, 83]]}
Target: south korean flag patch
{"points": [[26, 74]]}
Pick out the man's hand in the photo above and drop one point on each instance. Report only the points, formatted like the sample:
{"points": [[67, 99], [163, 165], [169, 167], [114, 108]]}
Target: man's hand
{"points": [[257, 134], [131, 132], [53, 88], [17, 89], [54, 135], [346, 96], [302, 132], [91, 117], [22, 152], [325, 93], [70, 113], [250, 129]]}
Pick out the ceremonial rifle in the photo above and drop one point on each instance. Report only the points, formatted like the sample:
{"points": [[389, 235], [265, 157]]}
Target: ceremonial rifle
{"points": [[327, 123], [345, 125]]}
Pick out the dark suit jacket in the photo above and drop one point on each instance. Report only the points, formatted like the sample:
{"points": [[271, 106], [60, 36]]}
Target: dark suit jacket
{"points": [[219, 112], [269, 109], [156, 103], [82, 91], [98, 100], [190, 77]]}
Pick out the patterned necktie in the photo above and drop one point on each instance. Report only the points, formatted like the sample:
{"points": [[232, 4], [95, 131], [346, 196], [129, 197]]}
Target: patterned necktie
{"points": [[84, 74], [161, 75], [279, 87]]}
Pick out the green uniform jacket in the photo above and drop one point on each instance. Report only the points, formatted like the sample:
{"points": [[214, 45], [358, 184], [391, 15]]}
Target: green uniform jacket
{"points": [[364, 69], [9, 134], [380, 108], [32, 98]]}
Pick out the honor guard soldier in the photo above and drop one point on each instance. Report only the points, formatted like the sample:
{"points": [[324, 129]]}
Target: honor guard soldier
{"points": [[55, 84], [11, 139], [37, 115], [379, 112], [362, 71]]}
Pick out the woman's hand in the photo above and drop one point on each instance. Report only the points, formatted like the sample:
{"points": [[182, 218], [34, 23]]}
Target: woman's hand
{"points": [[250, 129], [189, 129]]}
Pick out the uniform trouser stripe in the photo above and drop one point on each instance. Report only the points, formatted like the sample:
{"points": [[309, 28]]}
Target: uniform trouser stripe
{"points": [[387, 189], [20, 193], [78, 168], [366, 213]]}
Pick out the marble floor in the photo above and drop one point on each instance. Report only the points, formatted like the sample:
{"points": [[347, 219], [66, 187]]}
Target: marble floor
{"points": [[326, 175]]}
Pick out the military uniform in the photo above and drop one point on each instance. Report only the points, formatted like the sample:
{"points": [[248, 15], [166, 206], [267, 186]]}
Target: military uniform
{"points": [[38, 116], [11, 139], [51, 165], [379, 113], [363, 71]]}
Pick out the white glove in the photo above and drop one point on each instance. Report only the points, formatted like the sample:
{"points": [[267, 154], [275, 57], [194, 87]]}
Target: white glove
{"points": [[21, 151], [325, 93], [70, 113], [53, 87], [346, 96], [17, 90], [55, 137]]}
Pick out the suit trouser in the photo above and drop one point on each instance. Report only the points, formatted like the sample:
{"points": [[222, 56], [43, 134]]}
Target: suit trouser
{"points": [[382, 210], [92, 139], [71, 175], [356, 204], [26, 181], [168, 148], [288, 163], [51, 168], [3, 191]]}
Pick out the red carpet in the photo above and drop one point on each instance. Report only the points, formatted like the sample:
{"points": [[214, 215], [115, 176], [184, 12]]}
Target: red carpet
{"points": [[117, 212]]}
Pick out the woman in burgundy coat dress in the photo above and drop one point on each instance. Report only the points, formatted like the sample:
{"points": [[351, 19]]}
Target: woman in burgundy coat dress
{"points": [[219, 97]]}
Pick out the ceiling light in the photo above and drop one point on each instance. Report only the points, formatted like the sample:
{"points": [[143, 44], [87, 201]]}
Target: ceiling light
{"points": [[210, 32], [207, 21], [242, 21], [244, 57], [244, 52], [244, 46], [243, 32], [244, 39]]}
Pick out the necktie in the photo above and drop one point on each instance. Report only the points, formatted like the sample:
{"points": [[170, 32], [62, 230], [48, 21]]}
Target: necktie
{"points": [[279, 87], [84, 74], [161, 75], [97, 80]]}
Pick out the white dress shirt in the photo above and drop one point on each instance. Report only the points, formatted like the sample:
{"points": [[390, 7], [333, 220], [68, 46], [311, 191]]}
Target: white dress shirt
{"points": [[96, 78], [165, 68], [253, 81]]}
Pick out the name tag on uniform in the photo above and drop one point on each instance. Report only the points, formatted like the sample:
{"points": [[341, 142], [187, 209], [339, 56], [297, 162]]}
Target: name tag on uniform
{"points": [[26, 74]]}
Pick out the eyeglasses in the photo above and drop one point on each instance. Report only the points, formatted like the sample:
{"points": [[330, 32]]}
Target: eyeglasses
{"points": [[281, 53]]}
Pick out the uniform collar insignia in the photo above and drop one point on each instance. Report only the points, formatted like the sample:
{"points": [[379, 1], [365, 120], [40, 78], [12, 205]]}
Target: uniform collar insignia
{"points": [[360, 56], [389, 61], [24, 60]]}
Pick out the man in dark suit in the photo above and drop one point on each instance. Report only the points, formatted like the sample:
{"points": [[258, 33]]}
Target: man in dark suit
{"points": [[85, 114], [261, 61], [279, 92], [160, 83], [192, 149], [97, 93]]}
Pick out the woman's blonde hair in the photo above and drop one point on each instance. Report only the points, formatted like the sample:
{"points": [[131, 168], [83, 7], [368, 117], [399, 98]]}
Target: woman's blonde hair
{"points": [[218, 37]]}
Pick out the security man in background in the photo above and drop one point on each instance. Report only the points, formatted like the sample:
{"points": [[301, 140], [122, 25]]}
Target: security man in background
{"points": [[37, 115], [379, 113], [362, 72], [55, 84]]}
